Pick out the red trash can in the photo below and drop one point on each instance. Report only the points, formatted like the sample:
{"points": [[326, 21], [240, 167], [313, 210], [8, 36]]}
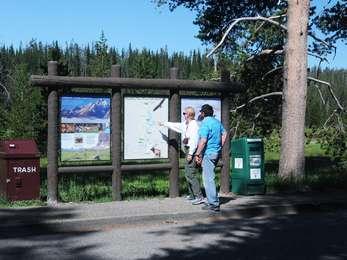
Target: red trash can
{"points": [[19, 170]]}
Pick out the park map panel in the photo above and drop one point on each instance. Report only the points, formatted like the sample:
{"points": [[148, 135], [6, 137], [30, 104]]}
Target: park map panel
{"points": [[143, 137]]}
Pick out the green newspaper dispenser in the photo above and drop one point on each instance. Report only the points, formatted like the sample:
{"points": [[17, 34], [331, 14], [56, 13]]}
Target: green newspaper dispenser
{"points": [[247, 166]]}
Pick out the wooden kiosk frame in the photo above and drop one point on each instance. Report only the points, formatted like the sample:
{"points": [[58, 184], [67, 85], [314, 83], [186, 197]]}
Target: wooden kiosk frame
{"points": [[56, 83]]}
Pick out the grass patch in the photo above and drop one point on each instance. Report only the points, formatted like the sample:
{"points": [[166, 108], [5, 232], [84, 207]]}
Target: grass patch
{"points": [[79, 187], [23, 203], [319, 181], [321, 174], [137, 186], [98, 188], [312, 149]]}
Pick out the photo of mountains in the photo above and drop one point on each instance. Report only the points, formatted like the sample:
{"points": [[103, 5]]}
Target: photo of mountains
{"points": [[85, 107]]}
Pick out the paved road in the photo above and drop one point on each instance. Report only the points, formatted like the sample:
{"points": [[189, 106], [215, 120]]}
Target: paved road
{"points": [[305, 236]]}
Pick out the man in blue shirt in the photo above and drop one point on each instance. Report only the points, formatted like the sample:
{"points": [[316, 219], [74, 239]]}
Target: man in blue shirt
{"points": [[212, 137]]}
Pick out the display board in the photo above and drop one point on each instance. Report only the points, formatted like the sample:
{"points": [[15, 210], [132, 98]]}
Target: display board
{"points": [[197, 103], [143, 138], [85, 128]]}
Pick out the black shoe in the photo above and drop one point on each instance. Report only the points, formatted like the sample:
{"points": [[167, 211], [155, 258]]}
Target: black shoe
{"points": [[211, 208]]}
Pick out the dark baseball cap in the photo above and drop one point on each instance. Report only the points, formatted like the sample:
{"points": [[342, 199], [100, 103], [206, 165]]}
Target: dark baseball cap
{"points": [[207, 109]]}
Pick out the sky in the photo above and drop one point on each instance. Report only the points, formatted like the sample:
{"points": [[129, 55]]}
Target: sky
{"points": [[138, 22]]}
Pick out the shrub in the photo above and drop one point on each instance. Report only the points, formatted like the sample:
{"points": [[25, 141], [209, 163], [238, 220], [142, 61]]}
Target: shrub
{"points": [[334, 142], [272, 143]]}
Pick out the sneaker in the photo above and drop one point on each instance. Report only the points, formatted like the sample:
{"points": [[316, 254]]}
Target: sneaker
{"points": [[190, 197], [211, 208], [198, 201]]}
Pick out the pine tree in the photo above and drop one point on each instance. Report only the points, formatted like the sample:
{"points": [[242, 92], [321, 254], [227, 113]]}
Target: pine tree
{"points": [[23, 119], [100, 64]]}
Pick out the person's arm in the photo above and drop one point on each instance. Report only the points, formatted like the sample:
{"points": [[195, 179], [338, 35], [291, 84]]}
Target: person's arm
{"points": [[201, 146], [177, 127], [203, 135]]}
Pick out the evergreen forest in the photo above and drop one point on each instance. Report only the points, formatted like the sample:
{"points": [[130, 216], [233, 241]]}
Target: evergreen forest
{"points": [[23, 108]]}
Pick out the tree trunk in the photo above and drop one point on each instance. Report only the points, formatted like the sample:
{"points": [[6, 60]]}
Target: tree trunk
{"points": [[292, 159]]}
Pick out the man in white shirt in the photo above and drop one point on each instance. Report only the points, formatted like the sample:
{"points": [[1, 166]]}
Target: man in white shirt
{"points": [[189, 130]]}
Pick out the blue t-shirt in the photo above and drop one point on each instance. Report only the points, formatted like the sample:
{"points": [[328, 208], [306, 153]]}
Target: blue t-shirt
{"points": [[212, 129]]}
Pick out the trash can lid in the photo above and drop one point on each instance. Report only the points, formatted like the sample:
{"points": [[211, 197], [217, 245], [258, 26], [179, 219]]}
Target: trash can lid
{"points": [[24, 148]]}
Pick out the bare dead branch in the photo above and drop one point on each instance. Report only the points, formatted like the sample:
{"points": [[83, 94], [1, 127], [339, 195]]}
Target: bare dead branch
{"points": [[255, 99], [318, 57], [277, 16], [320, 93], [10, 77], [257, 115], [329, 118], [258, 28], [267, 52], [253, 123], [6, 91], [319, 40], [266, 19], [340, 123], [271, 71], [235, 131], [318, 69], [322, 41], [280, 52], [253, 36], [330, 90]]}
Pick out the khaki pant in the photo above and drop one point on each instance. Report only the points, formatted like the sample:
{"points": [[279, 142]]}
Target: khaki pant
{"points": [[191, 174]]}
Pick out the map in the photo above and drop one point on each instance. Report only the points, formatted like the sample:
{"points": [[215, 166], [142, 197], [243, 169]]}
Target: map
{"points": [[143, 137]]}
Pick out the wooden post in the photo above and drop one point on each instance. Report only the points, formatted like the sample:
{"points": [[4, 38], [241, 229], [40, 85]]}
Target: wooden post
{"points": [[173, 139], [116, 136], [225, 172], [52, 148]]}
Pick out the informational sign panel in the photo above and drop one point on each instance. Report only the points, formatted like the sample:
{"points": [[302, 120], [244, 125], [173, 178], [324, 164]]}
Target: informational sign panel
{"points": [[143, 137], [84, 128], [197, 103]]}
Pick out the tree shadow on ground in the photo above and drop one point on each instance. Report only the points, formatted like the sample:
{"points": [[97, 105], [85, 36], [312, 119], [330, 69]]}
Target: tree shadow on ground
{"points": [[305, 236], [224, 200], [30, 233]]}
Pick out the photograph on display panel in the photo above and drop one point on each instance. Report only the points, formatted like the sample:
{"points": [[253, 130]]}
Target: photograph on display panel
{"points": [[84, 128], [143, 137]]}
